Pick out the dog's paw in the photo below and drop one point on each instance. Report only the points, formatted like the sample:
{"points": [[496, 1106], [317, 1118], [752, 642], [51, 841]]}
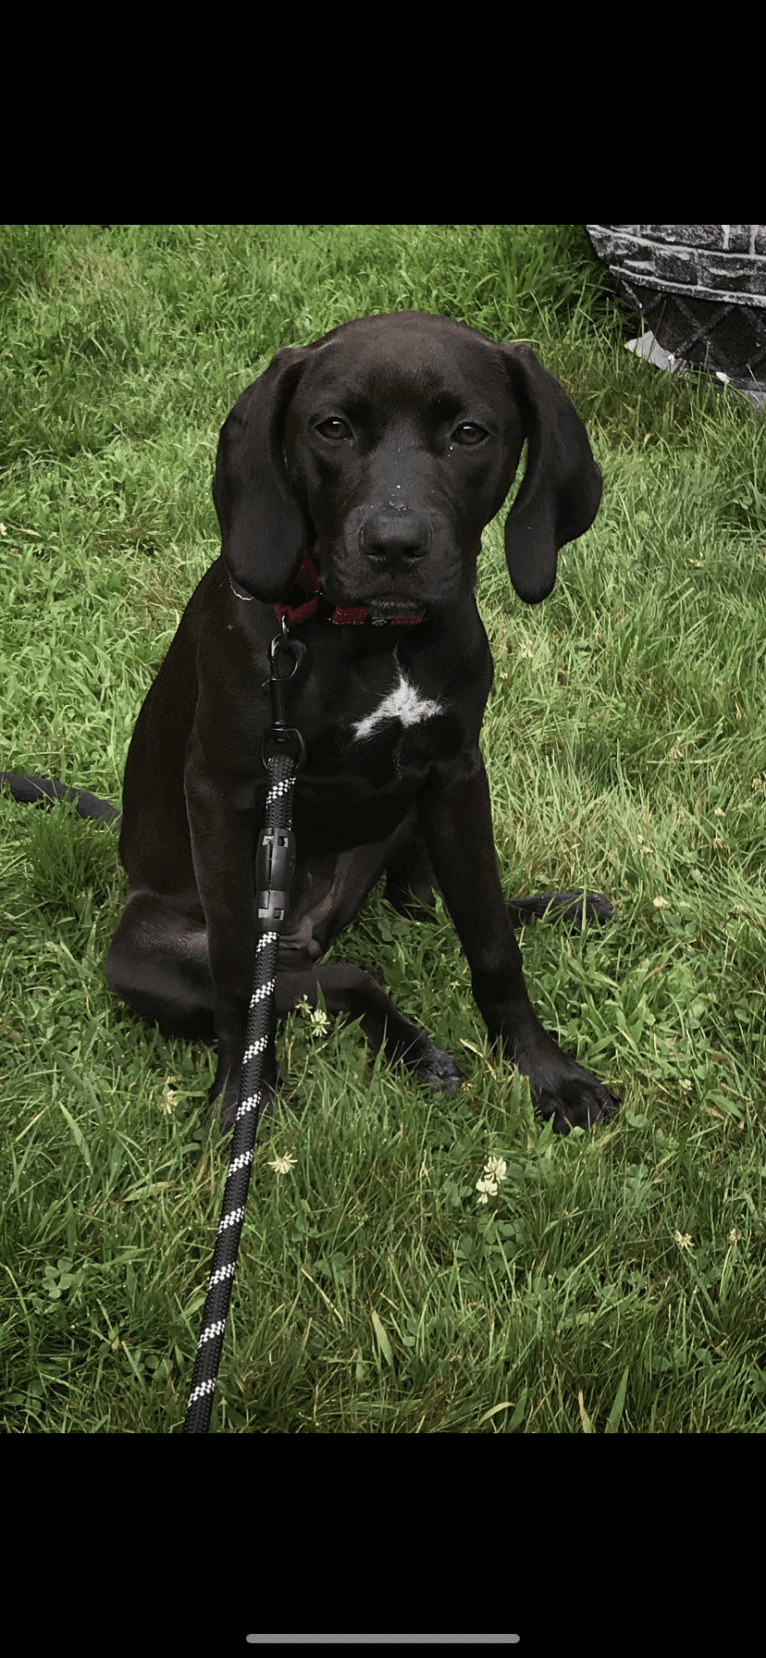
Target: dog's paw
{"points": [[569, 908], [437, 1069], [564, 1091], [566, 907]]}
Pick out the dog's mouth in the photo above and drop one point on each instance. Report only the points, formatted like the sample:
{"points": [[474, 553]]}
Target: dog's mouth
{"points": [[382, 607], [394, 604]]}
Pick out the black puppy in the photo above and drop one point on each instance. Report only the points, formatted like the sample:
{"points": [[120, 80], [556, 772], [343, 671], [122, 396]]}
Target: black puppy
{"points": [[353, 481]]}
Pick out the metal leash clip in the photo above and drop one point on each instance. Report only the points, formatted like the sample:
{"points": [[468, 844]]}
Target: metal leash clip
{"points": [[282, 739]]}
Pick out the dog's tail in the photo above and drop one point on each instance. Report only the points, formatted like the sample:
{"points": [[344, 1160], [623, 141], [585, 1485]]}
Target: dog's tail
{"points": [[33, 790]]}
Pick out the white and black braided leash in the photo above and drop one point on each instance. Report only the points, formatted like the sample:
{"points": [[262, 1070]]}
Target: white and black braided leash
{"points": [[277, 831]]}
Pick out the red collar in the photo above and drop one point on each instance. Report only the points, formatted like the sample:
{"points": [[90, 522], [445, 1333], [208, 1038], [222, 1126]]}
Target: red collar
{"points": [[308, 580]]}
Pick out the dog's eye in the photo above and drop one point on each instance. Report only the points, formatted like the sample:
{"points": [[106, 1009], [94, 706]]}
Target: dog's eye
{"points": [[334, 428], [469, 433]]}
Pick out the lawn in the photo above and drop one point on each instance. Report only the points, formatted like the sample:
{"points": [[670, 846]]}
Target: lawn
{"points": [[613, 1281]]}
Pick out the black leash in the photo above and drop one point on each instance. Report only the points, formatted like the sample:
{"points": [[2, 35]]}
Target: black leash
{"points": [[282, 753]]}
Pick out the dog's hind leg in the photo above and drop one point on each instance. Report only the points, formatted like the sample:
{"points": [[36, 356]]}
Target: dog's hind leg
{"points": [[355, 994], [570, 907], [158, 965], [411, 886]]}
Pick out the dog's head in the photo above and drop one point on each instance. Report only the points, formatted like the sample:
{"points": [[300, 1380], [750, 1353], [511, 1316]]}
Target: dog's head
{"points": [[385, 449]]}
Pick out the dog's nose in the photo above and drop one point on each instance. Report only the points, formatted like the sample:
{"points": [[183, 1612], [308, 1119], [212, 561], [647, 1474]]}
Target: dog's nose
{"points": [[396, 536]]}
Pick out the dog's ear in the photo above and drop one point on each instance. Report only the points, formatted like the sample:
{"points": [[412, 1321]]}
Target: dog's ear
{"points": [[264, 531], [561, 490]]}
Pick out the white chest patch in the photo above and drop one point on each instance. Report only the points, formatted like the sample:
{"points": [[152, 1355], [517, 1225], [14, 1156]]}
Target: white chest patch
{"points": [[404, 704]]}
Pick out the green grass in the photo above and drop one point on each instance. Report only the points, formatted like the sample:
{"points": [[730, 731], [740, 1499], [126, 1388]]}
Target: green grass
{"points": [[616, 1281]]}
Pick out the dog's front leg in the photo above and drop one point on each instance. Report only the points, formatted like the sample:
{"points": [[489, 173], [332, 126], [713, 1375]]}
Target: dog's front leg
{"points": [[457, 825], [223, 837]]}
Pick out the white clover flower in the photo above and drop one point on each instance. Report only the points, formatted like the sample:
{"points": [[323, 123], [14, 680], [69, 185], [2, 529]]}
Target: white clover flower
{"points": [[283, 1165]]}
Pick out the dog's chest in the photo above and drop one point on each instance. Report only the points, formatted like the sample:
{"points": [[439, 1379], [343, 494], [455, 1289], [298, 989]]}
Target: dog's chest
{"points": [[400, 706]]}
